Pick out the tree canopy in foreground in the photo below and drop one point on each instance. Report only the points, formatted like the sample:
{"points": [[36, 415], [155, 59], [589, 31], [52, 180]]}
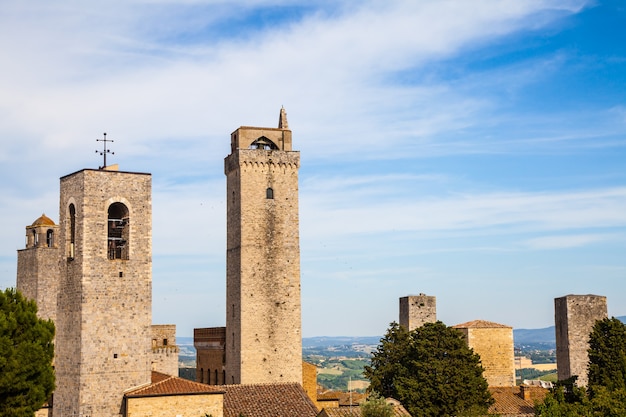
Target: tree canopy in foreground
{"points": [[26, 353], [430, 370]]}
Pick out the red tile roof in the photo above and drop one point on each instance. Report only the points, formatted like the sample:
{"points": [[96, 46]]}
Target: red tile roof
{"points": [[267, 400], [481, 324], [510, 403], [355, 411], [163, 384]]}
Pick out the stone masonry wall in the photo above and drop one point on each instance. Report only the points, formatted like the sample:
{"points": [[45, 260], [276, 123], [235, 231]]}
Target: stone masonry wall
{"points": [[104, 309], [263, 339], [574, 317], [494, 345], [415, 310], [38, 278], [164, 349], [176, 405]]}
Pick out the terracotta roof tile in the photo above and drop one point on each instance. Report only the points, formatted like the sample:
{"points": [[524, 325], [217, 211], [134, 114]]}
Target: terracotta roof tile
{"points": [[510, 403], [355, 411], [163, 384], [481, 324], [267, 400]]}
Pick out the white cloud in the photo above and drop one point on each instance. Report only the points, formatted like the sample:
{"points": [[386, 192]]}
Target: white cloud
{"points": [[567, 241]]}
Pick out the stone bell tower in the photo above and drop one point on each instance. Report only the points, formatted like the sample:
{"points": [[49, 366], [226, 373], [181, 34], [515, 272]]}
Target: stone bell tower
{"points": [[263, 313], [38, 266], [103, 343]]}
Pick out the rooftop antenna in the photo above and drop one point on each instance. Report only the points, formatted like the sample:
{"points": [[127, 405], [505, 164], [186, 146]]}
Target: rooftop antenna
{"points": [[105, 151]]}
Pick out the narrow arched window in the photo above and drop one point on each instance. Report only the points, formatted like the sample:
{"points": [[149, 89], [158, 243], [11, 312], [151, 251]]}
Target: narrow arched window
{"points": [[35, 238], [72, 247], [269, 193], [118, 232], [216, 382], [50, 238], [201, 375]]}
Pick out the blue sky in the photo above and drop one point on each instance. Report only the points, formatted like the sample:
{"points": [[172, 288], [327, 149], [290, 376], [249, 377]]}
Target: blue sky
{"points": [[470, 150]]}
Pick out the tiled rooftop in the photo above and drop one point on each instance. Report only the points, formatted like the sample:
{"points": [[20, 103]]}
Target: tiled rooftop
{"points": [[481, 324], [163, 384], [510, 403], [267, 400]]}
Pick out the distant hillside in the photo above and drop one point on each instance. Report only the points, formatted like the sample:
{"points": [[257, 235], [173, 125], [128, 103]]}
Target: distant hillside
{"points": [[540, 336], [521, 336], [326, 341]]}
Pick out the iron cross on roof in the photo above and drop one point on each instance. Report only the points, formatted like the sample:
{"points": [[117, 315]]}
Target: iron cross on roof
{"points": [[105, 151]]}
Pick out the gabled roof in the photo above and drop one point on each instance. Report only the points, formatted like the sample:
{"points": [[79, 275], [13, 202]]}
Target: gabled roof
{"points": [[481, 324], [508, 401], [163, 384], [267, 400]]}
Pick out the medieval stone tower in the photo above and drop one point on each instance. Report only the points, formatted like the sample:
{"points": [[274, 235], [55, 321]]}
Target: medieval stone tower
{"points": [[415, 310], [263, 313], [38, 266], [103, 341], [574, 318], [493, 342]]}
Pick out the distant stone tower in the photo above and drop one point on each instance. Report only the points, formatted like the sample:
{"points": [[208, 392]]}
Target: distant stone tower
{"points": [[263, 313], [493, 342], [415, 310], [164, 349], [103, 344], [38, 266], [574, 318]]}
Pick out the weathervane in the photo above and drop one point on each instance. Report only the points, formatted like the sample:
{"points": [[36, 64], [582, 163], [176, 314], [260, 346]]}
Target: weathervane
{"points": [[105, 151]]}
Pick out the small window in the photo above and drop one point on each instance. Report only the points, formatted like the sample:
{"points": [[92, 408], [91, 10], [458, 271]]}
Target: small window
{"points": [[269, 193], [201, 375], [164, 342], [216, 381], [50, 238]]}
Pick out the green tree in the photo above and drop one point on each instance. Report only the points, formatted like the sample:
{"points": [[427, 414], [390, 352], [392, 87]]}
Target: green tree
{"points": [[430, 370], [607, 355], [26, 353], [376, 406]]}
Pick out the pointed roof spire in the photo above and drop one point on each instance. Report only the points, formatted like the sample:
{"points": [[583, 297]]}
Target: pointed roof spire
{"points": [[282, 119]]}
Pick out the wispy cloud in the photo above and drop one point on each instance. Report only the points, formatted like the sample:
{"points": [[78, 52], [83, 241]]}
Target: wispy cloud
{"points": [[401, 111]]}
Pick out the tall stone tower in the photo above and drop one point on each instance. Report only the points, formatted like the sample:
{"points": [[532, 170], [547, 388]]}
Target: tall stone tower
{"points": [[263, 313], [38, 266], [574, 318], [415, 310], [103, 342]]}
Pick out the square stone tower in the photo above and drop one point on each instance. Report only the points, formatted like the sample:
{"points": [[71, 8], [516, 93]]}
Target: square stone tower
{"points": [[103, 340], [493, 342], [263, 313], [38, 266], [415, 310], [574, 318]]}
